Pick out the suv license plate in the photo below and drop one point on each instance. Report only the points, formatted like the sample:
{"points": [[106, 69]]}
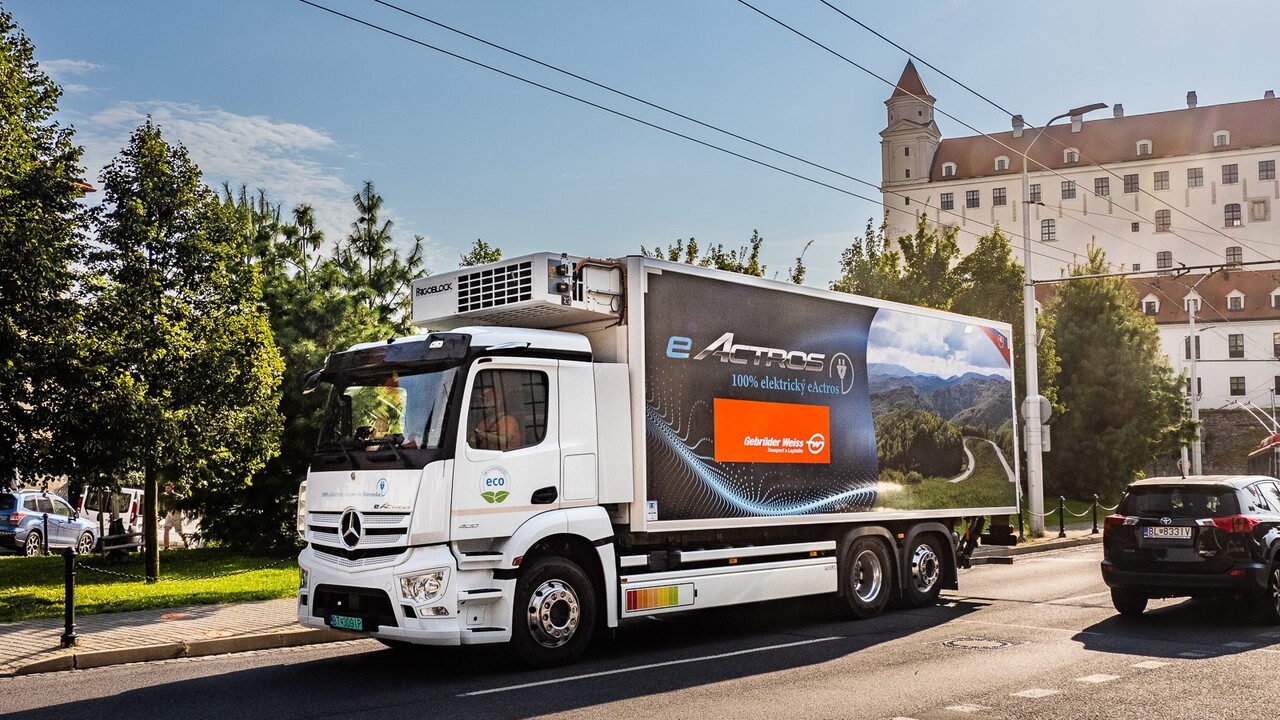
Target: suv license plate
{"points": [[342, 622], [1156, 531]]}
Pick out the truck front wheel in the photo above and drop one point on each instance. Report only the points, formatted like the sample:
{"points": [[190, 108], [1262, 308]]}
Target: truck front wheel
{"points": [[868, 577], [555, 613], [924, 582]]}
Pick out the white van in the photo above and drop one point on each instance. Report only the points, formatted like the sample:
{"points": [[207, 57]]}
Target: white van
{"points": [[100, 506]]}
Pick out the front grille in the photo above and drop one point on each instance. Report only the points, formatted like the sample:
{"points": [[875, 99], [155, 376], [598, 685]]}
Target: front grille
{"points": [[495, 287], [386, 535], [372, 606]]}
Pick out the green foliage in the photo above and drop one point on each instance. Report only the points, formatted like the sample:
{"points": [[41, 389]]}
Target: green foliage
{"points": [[917, 440], [481, 253], [872, 268], [988, 486], [185, 373], [928, 258], [373, 269], [40, 245], [744, 260], [33, 586], [1123, 402], [796, 273]]}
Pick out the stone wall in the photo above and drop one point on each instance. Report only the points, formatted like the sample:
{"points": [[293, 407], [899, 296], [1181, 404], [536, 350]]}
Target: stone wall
{"points": [[1229, 437]]}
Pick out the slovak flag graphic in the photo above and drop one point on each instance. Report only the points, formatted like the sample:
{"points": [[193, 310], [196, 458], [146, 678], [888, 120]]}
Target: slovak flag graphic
{"points": [[1001, 342]]}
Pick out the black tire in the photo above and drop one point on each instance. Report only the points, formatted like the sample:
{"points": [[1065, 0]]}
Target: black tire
{"points": [[34, 544], [1266, 607], [1128, 602], [868, 577], [924, 571], [85, 544], [555, 613]]}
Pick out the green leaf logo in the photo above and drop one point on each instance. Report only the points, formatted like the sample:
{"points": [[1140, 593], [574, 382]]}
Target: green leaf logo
{"points": [[500, 496], [488, 497]]}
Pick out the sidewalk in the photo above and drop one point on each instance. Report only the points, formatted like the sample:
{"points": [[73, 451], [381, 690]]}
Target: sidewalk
{"points": [[34, 646], [115, 638]]}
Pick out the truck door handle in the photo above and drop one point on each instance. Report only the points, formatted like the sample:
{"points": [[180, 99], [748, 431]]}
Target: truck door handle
{"points": [[544, 496]]}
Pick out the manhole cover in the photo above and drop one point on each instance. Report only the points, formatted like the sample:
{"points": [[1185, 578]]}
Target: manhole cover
{"points": [[971, 643]]}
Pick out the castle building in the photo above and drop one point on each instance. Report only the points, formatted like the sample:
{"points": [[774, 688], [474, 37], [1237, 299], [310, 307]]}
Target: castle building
{"points": [[1159, 192]]}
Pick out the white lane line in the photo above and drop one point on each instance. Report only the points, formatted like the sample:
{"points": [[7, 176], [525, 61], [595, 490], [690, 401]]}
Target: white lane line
{"points": [[1194, 654], [1237, 644], [1036, 693], [1076, 599], [970, 709], [650, 666], [1272, 634], [1149, 665], [1100, 678]]}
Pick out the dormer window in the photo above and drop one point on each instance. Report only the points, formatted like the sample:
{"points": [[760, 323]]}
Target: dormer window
{"points": [[1191, 303], [1144, 147], [1070, 156], [1235, 300], [1221, 138], [1150, 305], [1002, 163], [948, 169], [1275, 299]]}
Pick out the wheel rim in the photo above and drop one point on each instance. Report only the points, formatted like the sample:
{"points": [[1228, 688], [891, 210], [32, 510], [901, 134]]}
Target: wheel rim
{"points": [[86, 544], [925, 567], [868, 576], [33, 544], [554, 613], [1275, 590]]}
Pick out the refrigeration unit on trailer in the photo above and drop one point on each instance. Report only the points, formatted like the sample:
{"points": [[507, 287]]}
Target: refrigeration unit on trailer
{"points": [[575, 442]]}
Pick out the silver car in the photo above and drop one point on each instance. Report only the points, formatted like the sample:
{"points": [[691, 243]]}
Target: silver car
{"points": [[30, 517]]}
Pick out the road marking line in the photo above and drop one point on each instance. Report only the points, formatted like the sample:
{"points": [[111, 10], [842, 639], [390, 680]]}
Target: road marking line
{"points": [[1098, 678], [1194, 654], [1149, 665], [970, 709], [650, 666], [1065, 601], [1237, 644], [1036, 693], [1269, 634]]}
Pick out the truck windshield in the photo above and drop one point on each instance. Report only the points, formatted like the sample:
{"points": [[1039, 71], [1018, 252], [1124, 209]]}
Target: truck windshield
{"points": [[386, 418]]}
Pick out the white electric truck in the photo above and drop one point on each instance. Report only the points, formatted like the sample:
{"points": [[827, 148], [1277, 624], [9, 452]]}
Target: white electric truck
{"points": [[574, 442]]}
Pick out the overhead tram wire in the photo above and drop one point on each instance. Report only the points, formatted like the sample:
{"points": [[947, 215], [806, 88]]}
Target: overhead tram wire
{"points": [[658, 107], [1087, 161], [621, 114]]}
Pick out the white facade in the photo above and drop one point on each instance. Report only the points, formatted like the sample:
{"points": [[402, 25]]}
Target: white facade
{"points": [[1157, 192]]}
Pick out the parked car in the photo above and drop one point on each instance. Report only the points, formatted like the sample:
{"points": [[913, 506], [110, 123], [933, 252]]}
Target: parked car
{"points": [[23, 523], [1193, 537], [104, 507]]}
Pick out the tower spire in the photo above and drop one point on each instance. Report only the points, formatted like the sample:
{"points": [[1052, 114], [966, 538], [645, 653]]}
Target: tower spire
{"points": [[910, 84]]}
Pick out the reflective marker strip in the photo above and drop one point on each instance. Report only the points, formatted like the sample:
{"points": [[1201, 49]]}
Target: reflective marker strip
{"points": [[650, 598]]}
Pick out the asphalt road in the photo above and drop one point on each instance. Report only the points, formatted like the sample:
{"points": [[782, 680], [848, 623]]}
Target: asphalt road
{"points": [[1037, 639]]}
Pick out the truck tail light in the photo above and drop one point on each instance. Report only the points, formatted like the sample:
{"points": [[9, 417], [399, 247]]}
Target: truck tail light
{"points": [[1235, 524]]}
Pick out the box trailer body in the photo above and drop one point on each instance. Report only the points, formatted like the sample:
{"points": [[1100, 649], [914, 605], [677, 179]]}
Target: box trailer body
{"points": [[576, 442]]}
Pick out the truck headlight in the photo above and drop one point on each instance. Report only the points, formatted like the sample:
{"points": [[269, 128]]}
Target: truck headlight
{"points": [[424, 588], [304, 579]]}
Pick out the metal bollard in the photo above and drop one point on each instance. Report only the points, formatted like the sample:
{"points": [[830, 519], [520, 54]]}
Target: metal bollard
{"points": [[1095, 515], [1062, 517], [44, 539], [69, 599]]}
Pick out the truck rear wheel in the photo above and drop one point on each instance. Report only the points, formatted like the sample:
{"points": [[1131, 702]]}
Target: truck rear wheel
{"points": [[555, 613], [868, 577], [924, 578]]}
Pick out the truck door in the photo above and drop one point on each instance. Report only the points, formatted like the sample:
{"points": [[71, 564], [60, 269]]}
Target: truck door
{"points": [[508, 460]]}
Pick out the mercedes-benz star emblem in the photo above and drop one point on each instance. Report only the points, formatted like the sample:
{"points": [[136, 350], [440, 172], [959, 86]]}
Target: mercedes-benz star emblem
{"points": [[350, 529]]}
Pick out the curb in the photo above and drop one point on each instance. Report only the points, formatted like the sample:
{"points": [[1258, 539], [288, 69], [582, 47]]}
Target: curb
{"points": [[1041, 545], [170, 651]]}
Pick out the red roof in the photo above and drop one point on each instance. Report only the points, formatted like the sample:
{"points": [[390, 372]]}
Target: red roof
{"points": [[1170, 290], [1189, 131], [909, 84]]}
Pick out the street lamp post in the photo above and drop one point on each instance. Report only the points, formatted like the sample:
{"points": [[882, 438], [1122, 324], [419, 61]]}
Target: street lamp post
{"points": [[1031, 407]]}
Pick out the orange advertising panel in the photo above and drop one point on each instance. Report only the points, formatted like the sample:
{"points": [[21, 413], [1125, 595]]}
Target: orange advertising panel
{"points": [[749, 431]]}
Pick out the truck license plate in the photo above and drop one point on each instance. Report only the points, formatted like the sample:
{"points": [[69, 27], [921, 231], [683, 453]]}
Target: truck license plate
{"points": [[1156, 531], [342, 622]]}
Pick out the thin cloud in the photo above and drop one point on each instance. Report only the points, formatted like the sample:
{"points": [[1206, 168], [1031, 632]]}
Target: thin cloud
{"points": [[932, 346]]}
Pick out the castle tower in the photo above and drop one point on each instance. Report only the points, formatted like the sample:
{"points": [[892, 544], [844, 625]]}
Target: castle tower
{"points": [[907, 146]]}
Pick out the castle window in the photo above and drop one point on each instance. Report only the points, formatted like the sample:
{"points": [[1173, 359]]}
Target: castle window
{"points": [[1235, 301], [1230, 174], [947, 201], [1048, 231], [908, 175], [1266, 169], [1195, 177], [948, 169], [1162, 179], [1231, 215], [1221, 138], [1034, 191], [1002, 163], [1068, 189], [1102, 186], [906, 152], [1164, 260], [1235, 255], [972, 198], [1162, 220], [1144, 147], [1131, 183], [1071, 155], [998, 197]]}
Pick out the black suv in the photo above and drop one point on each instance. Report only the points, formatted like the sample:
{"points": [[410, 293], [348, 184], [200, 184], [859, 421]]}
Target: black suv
{"points": [[1195, 536]]}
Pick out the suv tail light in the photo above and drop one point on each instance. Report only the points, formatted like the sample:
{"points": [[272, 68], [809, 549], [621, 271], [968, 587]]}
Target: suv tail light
{"points": [[1235, 523], [1115, 521], [15, 517]]}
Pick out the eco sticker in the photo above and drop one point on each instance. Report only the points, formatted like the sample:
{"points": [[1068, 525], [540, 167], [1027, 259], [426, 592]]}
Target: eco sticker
{"points": [[495, 484]]}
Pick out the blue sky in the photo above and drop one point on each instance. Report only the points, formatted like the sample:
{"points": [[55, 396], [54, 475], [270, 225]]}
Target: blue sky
{"points": [[281, 96]]}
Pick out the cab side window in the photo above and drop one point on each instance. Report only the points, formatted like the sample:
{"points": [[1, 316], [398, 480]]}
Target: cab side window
{"points": [[508, 410]]}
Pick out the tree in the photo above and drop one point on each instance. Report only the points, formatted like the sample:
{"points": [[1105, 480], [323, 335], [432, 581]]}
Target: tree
{"points": [[928, 259], [40, 245], [744, 260], [374, 270], [481, 253], [796, 273], [185, 373], [1123, 403], [871, 267]]}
